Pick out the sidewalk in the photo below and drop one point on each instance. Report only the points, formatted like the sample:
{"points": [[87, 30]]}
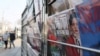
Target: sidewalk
{"points": [[13, 51]]}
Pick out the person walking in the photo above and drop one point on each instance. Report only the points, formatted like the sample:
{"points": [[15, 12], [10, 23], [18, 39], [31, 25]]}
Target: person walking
{"points": [[5, 39], [12, 38]]}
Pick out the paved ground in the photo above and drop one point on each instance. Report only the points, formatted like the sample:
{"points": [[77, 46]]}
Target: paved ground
{"points": [[13, 51]]}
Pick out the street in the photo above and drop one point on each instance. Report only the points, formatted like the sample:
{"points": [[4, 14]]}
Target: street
{"points": [[13, 51]]}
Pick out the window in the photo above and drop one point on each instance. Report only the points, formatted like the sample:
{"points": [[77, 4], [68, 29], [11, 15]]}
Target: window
{"points": [[58, 6]]}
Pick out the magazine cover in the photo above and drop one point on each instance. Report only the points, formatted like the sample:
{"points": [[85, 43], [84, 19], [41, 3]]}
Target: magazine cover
{"points": [[63, 27]]}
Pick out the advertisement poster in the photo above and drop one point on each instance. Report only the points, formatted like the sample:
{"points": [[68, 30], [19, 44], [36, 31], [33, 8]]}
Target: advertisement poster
{"points": [[63, 27], [52, 47], [33, 36], [89, 25]]}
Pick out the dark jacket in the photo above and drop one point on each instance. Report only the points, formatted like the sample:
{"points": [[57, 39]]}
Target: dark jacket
{"points": [[12, 36]]}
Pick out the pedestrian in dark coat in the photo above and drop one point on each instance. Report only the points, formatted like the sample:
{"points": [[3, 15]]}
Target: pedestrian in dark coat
{"points": [[12, 38]]}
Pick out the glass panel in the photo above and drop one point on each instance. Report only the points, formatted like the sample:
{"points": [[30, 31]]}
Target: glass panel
{"points": [[74, 3], [58, 6]]}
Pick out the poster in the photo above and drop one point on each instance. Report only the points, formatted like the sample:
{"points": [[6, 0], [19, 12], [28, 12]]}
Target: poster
{"points": [[89, 25], [52, 47], [63, 27], [33, 36], [74, 35]]}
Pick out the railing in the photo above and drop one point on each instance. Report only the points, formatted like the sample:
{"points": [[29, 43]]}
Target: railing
{"points": [[75, 46], [71, 45]]}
